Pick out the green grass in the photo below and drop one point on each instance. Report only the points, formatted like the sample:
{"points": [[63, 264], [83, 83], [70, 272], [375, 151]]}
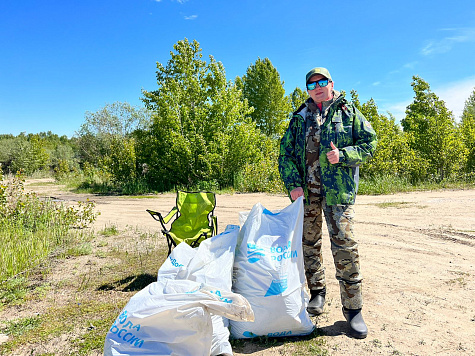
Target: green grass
{"points": [[392, 184], [97, 295], [21, 326], [82, 249], [13, 291], [109, 231], [32, 228]]}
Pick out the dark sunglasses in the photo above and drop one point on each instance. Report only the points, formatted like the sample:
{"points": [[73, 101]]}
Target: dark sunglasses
{"points": [[321, 83]]}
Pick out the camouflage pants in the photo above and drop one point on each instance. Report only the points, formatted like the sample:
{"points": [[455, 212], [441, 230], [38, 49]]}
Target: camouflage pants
{"points": [[339, 219]]}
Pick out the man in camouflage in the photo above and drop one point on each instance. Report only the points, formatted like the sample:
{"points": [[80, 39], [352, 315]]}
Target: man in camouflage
{"points": [[326, 141]]}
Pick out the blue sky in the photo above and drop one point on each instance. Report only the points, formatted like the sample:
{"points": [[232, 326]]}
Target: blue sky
{"points": [[62, 58]]}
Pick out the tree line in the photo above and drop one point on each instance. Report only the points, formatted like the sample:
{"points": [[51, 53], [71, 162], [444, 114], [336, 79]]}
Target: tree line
{"points": [[199, 130]]}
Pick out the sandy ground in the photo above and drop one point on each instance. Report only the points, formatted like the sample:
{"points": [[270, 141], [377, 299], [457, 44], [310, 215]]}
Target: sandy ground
{"points": [[417, 257]]}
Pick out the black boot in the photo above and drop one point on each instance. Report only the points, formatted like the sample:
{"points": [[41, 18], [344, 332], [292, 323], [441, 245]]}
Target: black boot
{"points": [[356, 323], [317, 301]]}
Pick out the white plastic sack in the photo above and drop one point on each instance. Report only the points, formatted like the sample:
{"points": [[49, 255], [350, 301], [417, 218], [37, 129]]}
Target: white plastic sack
{"points": [[269, 273], [210, 264], [172, 317]]}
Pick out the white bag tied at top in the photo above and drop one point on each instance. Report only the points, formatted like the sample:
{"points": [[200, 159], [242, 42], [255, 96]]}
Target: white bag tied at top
{"points": [[186, 311], [269, 273]]}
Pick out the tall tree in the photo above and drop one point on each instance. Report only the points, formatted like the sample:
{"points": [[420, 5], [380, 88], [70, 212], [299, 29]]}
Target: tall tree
{"points": [[467, 129], [104, 139], [393, 156], [433, 131], [29, 154], [263, 89], [201, 130], [297, 98]]}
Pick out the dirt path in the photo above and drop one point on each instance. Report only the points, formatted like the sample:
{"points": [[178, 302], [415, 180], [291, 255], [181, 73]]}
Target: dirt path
{"points": [[417, 255]]}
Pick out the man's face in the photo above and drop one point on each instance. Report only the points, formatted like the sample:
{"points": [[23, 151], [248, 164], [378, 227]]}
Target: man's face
{"points": [[320, 94]]}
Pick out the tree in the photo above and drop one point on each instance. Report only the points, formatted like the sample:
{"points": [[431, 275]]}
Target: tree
{"points": [[29, 155], [393, 156], [467, 130], [263, 89], [433, 132], [105, 139], [297, 98], [201, 130]]}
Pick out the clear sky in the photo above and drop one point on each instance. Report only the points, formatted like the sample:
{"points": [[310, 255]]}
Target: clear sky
{"points": [[62, 58]]}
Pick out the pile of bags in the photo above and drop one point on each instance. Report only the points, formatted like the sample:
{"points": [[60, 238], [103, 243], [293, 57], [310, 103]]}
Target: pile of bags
{"points": [[246, 281]]}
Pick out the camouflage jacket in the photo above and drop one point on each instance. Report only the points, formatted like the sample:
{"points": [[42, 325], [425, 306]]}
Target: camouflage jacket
{"points": [[350, 132]]}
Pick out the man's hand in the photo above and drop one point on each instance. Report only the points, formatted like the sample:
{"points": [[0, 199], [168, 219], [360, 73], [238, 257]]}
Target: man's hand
{"points": [[333, 155], [295, 193]]}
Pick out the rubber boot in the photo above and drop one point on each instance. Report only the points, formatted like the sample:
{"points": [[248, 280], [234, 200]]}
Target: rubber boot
{"points": [[356, 323], [317, 301]]}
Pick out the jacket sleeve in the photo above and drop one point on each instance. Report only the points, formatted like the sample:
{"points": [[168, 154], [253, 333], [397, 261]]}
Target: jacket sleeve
{"points": [[288, 160], [364, 142]]}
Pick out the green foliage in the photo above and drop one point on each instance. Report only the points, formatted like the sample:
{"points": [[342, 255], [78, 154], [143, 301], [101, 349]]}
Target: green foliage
{"points": [[394, 155], [384, 184], [64, 159], [467, 132], [200, 131], [106, 142], [262, 174], [200, 123], [21, 326], [36, 152], [391, 184], [121, 161], [31, 227], [297, 98], [13, 291], [29, 155], [263, 89], [433, 133], [109, 231]]}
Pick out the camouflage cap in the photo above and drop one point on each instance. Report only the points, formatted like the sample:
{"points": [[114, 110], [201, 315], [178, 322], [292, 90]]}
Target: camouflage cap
{"points": [[318, 70]]}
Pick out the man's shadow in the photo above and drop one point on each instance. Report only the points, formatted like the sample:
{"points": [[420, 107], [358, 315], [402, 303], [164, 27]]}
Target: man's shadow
{"points": [[338, 328]]}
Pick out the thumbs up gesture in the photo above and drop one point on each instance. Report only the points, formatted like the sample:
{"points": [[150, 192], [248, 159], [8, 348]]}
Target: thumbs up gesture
{"points": [[333, 155]]}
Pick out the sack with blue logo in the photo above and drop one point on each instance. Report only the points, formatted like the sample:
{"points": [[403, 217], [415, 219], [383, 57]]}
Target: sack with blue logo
{"points": [[175, 313], [269, 273], [172, 317]]}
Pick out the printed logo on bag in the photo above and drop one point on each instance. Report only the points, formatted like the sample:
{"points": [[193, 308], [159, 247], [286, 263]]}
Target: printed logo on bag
{"points": [[175, 263], [284, 252], [277, 253], [248, 334], [125, 332], [280, 333], [254, 253], [277, 287], [223, 299]]}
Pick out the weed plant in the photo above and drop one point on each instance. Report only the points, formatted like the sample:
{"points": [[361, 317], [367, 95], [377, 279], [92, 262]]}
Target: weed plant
{"points": [[390, 184], [32, 228]]}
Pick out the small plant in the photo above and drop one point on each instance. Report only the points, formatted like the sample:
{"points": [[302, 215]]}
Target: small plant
{"points": [[18, 327], [82, 249], [13, 291], [110, 231]]}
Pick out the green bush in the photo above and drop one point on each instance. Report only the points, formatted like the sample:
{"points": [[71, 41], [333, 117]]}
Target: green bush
{"points": [[31, 228]]}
